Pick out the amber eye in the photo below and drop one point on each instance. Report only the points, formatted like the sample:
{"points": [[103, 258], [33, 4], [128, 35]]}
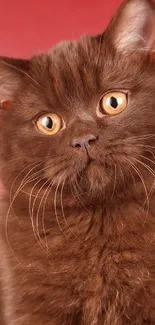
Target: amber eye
{"points": [[113, 103], [49, 123]]}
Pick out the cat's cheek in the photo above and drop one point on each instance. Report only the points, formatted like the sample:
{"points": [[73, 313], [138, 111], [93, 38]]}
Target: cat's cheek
{"points": [[64, 167], [33, 148]]}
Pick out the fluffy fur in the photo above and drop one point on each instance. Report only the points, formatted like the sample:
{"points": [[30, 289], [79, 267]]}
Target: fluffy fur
{"points": [[77, 225]]}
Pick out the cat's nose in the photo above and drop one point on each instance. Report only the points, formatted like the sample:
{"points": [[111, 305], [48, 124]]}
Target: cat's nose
{"points": [[84, 141]]}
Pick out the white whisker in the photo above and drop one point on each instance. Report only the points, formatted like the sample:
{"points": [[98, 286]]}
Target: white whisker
{"points": [[12, 199], [115, 179], [63, 214], [55, 207], [144, 186]]}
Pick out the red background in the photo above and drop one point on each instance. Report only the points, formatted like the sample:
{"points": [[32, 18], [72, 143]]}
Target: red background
{"points": [[30, 26]]}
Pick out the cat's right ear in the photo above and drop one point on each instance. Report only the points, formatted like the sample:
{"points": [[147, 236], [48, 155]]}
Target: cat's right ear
{"points": [[11, 74]]}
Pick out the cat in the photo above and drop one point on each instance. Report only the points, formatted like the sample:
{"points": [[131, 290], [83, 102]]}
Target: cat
{"points": [[77, 157]]}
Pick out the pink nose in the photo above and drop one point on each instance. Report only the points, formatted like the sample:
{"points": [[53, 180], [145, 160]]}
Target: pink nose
{"points": [[84, 141]]}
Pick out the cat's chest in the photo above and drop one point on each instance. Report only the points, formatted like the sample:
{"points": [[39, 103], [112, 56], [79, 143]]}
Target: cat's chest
{"points": [[91, 258], [88, 251]]}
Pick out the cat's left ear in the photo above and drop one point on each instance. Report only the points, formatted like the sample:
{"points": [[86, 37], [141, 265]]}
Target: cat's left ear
{"points": [[133, 27], [11, 73]]}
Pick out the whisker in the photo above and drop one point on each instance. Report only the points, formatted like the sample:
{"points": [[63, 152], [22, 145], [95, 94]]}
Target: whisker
{"points": [[55, 208], [63, 214], [152, 162], [12, 199], [115, 178], [19, 174], [31, 211], [43, 213], [144, 186], [27, 193], [151, 171], [143, 136], [132, 175], [146, 166], [78, 198], [150, 151], [122, 174], [45, 196], [145, 146]]}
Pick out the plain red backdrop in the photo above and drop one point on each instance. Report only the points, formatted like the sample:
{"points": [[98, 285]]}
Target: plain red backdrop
{"points": [[29, 26]]}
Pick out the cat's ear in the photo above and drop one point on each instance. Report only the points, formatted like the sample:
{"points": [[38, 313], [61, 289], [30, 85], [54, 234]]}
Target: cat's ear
{"points": [[133, 27], [11, 73]]}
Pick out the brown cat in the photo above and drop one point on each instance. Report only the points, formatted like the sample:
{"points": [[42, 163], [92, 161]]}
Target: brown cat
{"points": [[77, 153]]}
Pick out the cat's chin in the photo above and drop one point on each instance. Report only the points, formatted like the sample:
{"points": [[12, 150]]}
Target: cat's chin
{"points": [[94, 179]]}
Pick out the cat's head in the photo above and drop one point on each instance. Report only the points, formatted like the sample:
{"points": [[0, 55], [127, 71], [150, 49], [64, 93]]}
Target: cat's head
{"points": [[84, 112]]}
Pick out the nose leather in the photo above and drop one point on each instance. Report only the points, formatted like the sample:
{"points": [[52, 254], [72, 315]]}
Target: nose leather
{"points": [[84, 141]]}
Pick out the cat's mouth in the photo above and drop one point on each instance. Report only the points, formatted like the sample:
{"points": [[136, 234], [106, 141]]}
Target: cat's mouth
{"points": [[91, 167], [90, 158], [94, 175], [92, 161]]}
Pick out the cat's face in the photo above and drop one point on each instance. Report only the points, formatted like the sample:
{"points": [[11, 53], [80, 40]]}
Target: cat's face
{"points": [[84, 112]]}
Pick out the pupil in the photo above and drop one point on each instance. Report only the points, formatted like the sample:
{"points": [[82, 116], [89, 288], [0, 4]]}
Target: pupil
{"points": [[113, 102], [47, 122]]}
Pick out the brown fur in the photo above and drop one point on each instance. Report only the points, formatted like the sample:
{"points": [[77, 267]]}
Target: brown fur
{"points": [[80, 250]]}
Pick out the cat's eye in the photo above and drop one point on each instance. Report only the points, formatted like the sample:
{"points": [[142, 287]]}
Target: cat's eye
{"points": [[113, 103], [49, 124]]}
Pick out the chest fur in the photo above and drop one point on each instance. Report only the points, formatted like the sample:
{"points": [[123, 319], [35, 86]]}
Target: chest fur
{"points": [[89, 263]]}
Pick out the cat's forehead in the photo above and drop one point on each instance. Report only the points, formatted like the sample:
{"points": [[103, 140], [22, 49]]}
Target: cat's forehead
{"points": [[72, 54], [72, 69], [73, 73], [69, 71]]}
